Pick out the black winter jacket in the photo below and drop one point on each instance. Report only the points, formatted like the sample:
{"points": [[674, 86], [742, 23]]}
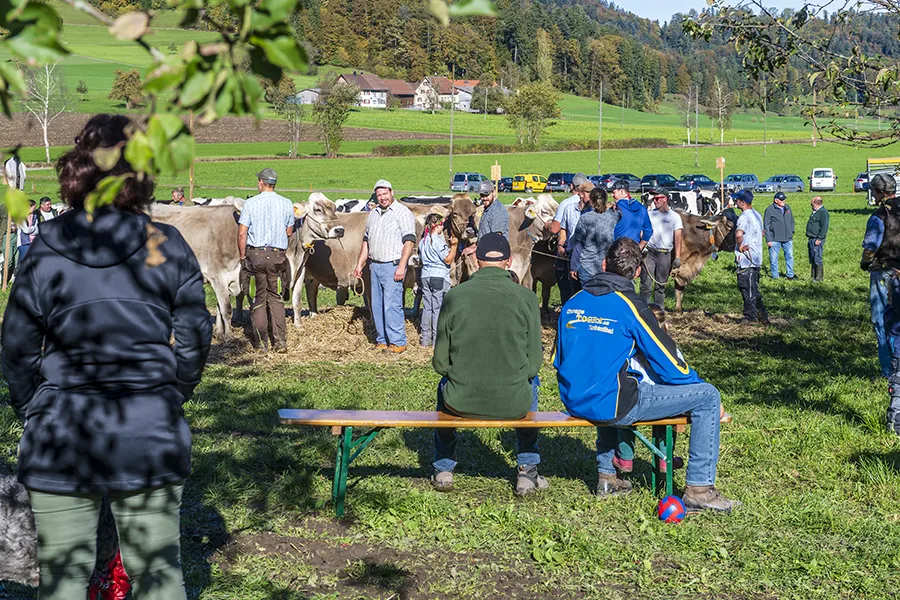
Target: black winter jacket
{"points": [[88, 357]]}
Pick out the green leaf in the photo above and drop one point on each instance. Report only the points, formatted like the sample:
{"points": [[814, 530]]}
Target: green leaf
{"points": [[171, 125], [16, 204], [471, 8], [139, 153], [105, 192], [164, 76], [106, 158], [278, 9], [181, 150], [282, 51], [196, 88], [36, 46], [130, 26], [439, 9]]}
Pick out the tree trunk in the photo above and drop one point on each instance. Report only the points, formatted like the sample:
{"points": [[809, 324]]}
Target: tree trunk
{"points": [[45, 125]]}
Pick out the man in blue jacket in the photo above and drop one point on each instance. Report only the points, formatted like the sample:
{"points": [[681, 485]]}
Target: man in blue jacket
{"points": [[607, 319], [635, 222]]}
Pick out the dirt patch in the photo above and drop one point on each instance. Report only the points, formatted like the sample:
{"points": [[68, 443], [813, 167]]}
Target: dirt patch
{"points": [[23, 130], [358, 569]]}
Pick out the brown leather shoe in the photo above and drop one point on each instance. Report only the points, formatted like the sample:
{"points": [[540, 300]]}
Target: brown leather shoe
{"points": [[381, 346], [706, 497], [396, 349], [610, 485], [281, 348]]}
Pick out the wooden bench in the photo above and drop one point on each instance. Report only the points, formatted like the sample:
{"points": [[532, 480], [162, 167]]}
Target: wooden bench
{"points": [[342, 423]]}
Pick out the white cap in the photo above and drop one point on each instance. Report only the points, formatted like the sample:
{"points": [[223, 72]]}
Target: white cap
{"points": [[383, 183]]}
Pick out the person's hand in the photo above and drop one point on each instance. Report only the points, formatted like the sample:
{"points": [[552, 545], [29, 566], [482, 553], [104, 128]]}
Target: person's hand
{"points": [[454, 241], [676, 263], [818, 242], [469, 250], [357, 272], [400, 273], [573, 275], [561, 250], [645, 251], [769, 244], [721, 410], [865, 265], [744, 248], [245, 264]]}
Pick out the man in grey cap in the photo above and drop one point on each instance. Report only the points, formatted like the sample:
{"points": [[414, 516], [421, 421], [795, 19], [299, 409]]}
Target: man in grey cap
{"points": [[495, 219], [387, 245], [266, 223], [778, 221]]}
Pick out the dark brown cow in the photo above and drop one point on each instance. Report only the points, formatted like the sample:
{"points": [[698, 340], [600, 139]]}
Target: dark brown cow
{"points": [[700, 238]]}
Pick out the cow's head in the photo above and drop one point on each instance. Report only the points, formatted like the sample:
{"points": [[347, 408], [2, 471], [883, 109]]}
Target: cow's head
{"points": [[541, 211], [316, 220], [721, 233], [462, 218]]}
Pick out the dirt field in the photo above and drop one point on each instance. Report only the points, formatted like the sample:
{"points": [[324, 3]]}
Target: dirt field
{"points": [[23, 130]]}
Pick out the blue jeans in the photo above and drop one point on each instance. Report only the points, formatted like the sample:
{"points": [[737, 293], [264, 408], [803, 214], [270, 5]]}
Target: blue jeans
{"points": [[878, 302], [788, 248], [387, 304], [23, 250], [445, 438], [699, 400]]}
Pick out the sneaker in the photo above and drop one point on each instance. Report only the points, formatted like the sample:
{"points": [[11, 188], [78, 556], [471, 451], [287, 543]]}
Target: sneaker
{"points": [[396, 349], [442, 481], [893, 415], [381, 346], [791, 278], [528, 480], [706, 497], [677, 462], [622, 465], [611, 485]]}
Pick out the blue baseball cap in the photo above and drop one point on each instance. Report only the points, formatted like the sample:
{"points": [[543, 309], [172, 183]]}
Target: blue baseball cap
{"points": [[780, 196], [743, 196]]}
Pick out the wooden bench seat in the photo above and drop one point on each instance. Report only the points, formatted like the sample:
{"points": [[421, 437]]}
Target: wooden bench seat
{"points": [[342, 423]]}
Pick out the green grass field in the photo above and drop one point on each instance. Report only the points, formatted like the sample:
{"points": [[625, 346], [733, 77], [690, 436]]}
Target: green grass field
{"points": [[806, 454], [431, 174]]}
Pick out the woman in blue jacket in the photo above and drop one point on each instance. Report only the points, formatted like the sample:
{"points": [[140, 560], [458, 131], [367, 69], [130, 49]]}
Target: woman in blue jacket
{"points": [[91, 370]]}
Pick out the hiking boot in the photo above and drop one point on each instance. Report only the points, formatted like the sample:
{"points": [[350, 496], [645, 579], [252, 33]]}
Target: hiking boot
{"points": [[396, 349], [622, 465], [706, 497], [381, 346], [765, 320], [281, 348], [611, 485], [528, 480], [442, 481], [893, 412]]}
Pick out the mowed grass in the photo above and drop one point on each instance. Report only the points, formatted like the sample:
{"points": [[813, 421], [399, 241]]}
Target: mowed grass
{"points": [[806, 453], [432, 174]]}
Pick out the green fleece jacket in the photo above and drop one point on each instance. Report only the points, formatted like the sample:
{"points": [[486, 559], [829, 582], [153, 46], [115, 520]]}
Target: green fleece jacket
{"points": [[489, 346], [817, 226]]}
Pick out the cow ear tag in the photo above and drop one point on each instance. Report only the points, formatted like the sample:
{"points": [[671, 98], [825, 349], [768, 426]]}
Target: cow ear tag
{"points": [[530, 212]]}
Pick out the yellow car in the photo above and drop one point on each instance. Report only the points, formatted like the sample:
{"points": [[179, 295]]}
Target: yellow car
{"points": [[529, 182]]}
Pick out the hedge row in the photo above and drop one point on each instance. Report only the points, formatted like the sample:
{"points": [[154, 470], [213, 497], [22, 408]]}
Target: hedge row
{"points": [[560, 146]]}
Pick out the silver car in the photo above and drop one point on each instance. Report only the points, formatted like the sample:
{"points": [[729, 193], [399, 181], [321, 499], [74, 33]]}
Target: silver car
{"points": [[781, 183]]}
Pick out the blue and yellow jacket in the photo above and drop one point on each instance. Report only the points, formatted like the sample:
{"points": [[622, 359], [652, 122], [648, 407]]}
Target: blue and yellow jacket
{"points": [[599, 330]]}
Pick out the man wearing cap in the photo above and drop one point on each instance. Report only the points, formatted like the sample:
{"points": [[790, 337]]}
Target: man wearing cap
{"points": [[488, 350], [387, 245], [883, 189], [266, 223], [779, 228], [494, 219], [663, 249], [635, 222], [748, 256], [599, 331]]}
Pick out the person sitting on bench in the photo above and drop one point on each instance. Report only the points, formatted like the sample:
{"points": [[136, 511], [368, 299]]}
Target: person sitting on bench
{"points": [[604, 326], [488, 349]]}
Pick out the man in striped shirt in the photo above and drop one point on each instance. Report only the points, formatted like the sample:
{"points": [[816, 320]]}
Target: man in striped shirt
{"points": [[387, 245], [266, 223]]}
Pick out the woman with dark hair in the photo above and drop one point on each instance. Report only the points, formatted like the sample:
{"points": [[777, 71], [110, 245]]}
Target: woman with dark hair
{"points": [[91, 370], [593, 236]]}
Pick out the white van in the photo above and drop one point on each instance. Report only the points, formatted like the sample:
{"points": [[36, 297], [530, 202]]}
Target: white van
{"points": [[822, 180]]}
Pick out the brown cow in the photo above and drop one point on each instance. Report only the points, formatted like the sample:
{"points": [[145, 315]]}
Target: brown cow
{"points": [[700, 239]]}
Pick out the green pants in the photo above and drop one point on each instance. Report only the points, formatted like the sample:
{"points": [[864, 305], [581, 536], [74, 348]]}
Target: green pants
{"points": [[149, 539]]}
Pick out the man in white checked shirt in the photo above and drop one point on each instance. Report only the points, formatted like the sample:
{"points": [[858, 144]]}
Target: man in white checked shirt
{"points": [[387, 245]]}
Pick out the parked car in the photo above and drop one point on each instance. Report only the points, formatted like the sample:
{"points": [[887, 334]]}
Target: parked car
{"points": [[781, 183], [740, 181], [559, 182], [505, 184], [466, 182], [861, 183], [657, 181], [822, 180], [529, 182], [686, 183], [607, 179]]}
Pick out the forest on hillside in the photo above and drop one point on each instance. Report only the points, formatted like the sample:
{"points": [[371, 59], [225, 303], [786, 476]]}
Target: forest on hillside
{"points": [[575, 45]]}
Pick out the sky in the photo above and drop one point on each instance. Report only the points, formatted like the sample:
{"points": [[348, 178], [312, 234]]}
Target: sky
{"points": [[662, 10]]}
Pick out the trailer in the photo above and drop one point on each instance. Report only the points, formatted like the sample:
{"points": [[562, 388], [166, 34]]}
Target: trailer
{"points": [[875, 166]]}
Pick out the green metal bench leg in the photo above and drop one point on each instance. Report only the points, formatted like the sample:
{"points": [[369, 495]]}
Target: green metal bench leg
{"points": [[670, 460], [341, 467], [657, 443]]}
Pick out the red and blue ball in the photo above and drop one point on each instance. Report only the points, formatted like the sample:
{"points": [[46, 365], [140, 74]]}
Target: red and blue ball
{"points": [[671, 509]]}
